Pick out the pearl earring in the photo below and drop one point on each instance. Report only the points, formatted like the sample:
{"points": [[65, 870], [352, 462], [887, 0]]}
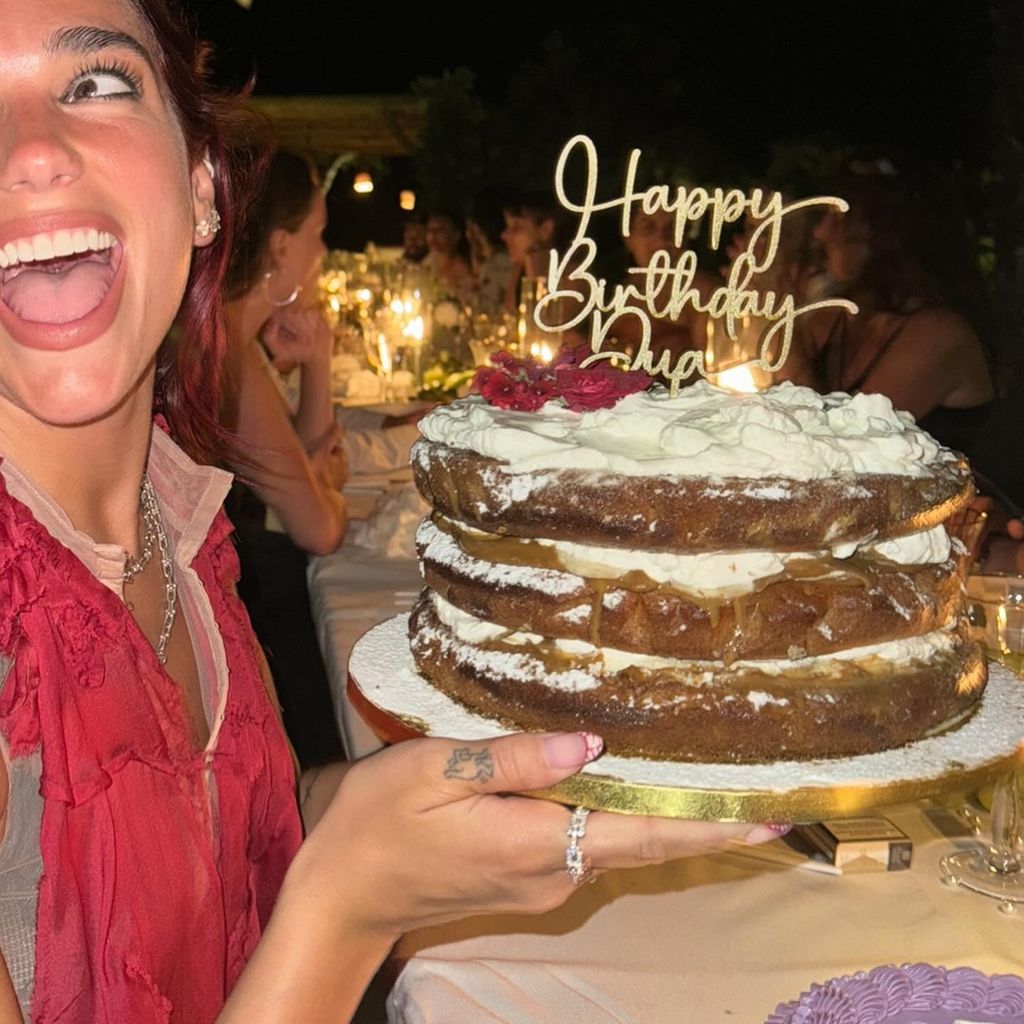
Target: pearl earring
{"points": [[209, 225]]}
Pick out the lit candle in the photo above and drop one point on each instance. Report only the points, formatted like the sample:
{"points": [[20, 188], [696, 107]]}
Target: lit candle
{"points": [[385, 355], [746, 378], [414, 329]]}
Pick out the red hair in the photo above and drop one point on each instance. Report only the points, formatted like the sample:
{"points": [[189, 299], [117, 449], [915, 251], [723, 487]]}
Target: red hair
{"points": [[190, 362]]}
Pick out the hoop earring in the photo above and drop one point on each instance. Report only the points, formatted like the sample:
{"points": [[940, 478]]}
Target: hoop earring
{"points": [[279, 303]]}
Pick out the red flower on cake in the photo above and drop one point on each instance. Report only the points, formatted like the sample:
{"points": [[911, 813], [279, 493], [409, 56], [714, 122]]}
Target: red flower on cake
{"points": [[525, 384], [513, 392], [597, 387]]}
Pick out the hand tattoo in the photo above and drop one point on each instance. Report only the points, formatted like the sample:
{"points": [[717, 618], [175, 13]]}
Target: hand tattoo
{"points": [[470, 766]]}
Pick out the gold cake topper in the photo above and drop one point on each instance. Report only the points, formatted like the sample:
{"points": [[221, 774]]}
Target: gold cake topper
{"points": [[570, 277]]}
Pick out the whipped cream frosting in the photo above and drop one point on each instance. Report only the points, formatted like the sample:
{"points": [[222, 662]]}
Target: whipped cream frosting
{"points": [[471, 630], [787, 432], [713, 574]]}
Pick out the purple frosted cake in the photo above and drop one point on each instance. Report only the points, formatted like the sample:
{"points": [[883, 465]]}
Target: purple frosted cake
{"points": [[911, 994]]}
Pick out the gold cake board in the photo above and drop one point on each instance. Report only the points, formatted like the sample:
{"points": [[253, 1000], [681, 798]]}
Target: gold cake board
{"points": [[399, 704]]}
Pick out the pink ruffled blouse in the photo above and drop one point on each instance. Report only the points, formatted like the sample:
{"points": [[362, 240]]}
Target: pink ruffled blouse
{"points": [[156, 864]]}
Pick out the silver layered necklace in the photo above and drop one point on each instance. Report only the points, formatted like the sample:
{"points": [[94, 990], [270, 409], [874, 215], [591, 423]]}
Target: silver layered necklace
{"points": [[153, 534]]}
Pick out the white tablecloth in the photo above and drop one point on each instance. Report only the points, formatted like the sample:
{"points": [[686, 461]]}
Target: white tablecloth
{"points": [[356, 588], [350, 592], [710, 939]]}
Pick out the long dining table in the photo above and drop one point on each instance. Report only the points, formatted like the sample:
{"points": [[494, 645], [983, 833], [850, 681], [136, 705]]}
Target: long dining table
{"points": [[707, 939]]}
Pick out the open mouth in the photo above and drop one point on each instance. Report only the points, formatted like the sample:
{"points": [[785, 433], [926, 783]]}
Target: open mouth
{"points": [[58, 277]]}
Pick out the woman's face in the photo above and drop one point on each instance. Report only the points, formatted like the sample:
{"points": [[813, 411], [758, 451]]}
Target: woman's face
{"points": [[523, 235], [845, 240], [442, 235], [303, 250], [98, 205], [649, 233]]}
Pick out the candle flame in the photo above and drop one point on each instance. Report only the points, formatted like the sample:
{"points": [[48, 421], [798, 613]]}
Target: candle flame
{"points": [[414, 329], [746, 378], [385, 354]]}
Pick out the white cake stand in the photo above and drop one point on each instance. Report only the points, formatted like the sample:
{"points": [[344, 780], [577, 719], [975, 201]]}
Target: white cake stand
{"points": [[399, 703]]}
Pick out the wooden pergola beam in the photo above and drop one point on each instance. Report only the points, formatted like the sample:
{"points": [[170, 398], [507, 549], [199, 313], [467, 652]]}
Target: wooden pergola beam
{"points": [[324, 126]]}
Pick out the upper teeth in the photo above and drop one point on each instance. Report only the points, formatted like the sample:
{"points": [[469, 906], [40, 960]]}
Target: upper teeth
{"points": [[53, 244]]}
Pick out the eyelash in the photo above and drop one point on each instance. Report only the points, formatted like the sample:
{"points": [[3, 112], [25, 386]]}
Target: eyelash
{"points": [[118, 68]]}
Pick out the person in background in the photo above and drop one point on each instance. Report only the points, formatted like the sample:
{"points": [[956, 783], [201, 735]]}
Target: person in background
{"points": [[414, 239], [492, 266], [534, 224], [796, 271], [650, 233], [906, 263], [445, 256], [290, 505]]}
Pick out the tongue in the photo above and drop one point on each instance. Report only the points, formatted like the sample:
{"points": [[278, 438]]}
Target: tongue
{"points": [[58, 297]]}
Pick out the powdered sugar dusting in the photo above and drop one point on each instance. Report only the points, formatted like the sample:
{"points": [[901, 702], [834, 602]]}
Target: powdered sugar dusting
{"points": [[441, 548], [760, 699], [578, 614], [507, 488], [511, 665], [771, 492], [382, 664]]}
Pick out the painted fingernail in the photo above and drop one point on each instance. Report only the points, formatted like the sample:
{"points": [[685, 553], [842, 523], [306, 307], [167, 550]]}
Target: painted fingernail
{"points": [[765, 833], [571, 749], [594, 746]]}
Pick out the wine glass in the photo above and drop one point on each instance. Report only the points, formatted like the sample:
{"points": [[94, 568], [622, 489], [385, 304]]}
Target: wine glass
{"points": [[995, 605]]}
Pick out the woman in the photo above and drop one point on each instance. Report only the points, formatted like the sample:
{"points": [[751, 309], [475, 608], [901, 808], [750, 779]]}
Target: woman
{"points": [[290, 504], [906, 265], [534, 225], [492, 267], [444, 255], [270, 286], [650, 233], [147, 791]]}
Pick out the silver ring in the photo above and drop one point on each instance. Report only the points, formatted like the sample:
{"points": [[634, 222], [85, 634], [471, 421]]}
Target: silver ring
{"points": [[578, 867]]}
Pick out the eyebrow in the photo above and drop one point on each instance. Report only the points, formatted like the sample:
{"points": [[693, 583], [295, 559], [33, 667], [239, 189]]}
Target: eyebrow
{"points": [[85, 39]]}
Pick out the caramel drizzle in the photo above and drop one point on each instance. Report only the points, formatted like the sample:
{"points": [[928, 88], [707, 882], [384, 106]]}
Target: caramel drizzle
{"points": [[520, 551], [506, 550], [817, 674]]}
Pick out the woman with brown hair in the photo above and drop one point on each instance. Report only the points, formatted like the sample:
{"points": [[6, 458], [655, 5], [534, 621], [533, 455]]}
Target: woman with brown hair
{"points": [[289, 505], [906, 265]]}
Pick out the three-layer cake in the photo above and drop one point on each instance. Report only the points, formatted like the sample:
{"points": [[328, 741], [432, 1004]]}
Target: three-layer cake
{"points": [[711, 576]]}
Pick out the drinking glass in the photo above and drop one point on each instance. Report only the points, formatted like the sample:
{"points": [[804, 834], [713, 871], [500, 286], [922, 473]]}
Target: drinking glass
{"points": [[995, 608]]}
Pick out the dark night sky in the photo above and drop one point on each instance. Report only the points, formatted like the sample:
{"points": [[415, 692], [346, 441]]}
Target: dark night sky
{"points": [[915, 71]]}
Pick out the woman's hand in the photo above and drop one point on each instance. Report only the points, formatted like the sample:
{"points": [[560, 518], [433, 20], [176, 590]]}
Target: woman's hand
{"points": [[298, 336], [418, 835], [327, 457]]}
